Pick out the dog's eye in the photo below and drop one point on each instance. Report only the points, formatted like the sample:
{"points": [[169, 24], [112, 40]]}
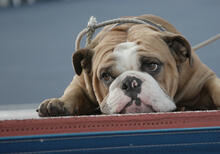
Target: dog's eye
{"points": [[106, 77], [152, 67]]}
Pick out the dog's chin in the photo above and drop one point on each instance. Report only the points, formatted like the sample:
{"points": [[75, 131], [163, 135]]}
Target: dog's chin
{"points": [[129, 107], [125, 105], [134, 108], [119, 103]]}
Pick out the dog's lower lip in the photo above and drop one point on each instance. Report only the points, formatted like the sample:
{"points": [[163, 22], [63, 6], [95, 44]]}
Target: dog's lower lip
{"points": [[123, 111]]}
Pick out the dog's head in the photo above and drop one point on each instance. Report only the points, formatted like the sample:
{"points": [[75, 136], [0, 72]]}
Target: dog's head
{"points": [[134, 68]]}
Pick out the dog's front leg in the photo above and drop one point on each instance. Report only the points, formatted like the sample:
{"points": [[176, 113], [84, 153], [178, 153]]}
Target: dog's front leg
{"points": [[73, 102]]}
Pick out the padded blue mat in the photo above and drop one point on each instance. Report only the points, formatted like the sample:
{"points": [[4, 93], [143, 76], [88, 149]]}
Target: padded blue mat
{"points": [[166, 141]]}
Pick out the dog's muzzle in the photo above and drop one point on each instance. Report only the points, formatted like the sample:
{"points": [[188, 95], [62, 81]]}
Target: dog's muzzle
{"points": [[136, 92]]}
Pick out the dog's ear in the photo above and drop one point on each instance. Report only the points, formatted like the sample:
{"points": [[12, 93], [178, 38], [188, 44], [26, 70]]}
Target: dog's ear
{"points": [[82, 59], [179, 46]]}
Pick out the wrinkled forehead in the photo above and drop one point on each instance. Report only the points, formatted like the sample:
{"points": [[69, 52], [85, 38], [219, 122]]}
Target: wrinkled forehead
{"points": [[126, 46], [124, 57]]}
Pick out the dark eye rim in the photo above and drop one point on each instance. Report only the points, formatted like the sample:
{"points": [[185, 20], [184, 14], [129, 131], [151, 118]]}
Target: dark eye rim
{"points": [[147, 61], [108, 82], [103, 75], [152, 66]]}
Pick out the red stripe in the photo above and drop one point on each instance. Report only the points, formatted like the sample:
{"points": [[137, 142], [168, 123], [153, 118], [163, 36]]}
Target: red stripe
{"points": [[80, 124]]}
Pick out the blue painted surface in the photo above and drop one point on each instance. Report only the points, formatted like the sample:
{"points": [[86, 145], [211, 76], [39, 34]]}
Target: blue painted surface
{"points": [[194, 140]]}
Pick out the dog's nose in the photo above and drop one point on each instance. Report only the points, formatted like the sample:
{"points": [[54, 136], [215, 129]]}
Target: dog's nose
{"points": [[130, 84]]}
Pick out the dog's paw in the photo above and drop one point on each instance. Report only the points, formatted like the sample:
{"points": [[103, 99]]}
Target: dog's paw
{"points": [[53, 107]]}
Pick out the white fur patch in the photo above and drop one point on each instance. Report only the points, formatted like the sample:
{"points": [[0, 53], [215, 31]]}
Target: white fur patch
{"points": [[114, 98], [126, 54], [151, 94]]}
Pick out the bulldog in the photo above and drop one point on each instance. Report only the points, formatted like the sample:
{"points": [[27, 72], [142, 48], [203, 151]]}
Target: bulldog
{"points": [[136, 68]]}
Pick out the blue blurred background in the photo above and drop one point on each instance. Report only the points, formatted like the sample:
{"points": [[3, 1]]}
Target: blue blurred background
{"points": [[37, 40]]}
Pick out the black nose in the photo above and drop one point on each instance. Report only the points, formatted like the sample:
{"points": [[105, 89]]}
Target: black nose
{"points": [[131, 84]]}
